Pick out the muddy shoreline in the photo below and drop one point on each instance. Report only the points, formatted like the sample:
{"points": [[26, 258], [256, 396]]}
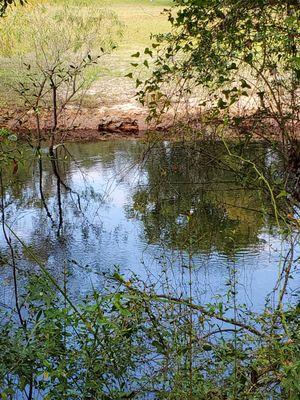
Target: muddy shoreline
{"points": [[100, 124], [78, 124]]}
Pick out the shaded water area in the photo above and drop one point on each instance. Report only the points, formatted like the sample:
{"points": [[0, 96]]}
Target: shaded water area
{"points": [[177, 214]]}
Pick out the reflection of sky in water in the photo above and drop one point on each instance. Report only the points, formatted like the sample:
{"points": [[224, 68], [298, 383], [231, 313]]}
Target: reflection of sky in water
{"points": [[103, 236]]}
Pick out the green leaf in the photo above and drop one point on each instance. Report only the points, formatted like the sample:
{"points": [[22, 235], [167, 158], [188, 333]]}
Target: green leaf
{"points": [[160, 349], [148, 51], [136, 54], [283, 193], [4, 132], [249, 58], [221, 104], [245, 84], [233, 66]]}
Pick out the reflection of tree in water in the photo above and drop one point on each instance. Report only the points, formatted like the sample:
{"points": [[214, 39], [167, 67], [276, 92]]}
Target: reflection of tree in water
{"points": [[33, 191], [194, 200], [23, 188]]}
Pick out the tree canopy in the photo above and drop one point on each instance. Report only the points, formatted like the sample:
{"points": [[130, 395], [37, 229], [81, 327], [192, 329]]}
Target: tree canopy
{"points": [[235, 46]]}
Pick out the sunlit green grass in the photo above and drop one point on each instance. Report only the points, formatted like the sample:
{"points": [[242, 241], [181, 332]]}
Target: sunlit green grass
{"points": [[139, 19]]}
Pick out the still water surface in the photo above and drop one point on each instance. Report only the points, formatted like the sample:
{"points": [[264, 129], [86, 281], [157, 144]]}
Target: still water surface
{"points": [[173, 214]]}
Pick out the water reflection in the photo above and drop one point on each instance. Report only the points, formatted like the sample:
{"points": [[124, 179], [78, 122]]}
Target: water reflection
{"points": [[179, 213], [192, 203]]}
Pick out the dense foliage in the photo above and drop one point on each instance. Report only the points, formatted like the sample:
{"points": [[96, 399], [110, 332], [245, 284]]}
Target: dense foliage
{"points": [[235, 51], [135, 343]]}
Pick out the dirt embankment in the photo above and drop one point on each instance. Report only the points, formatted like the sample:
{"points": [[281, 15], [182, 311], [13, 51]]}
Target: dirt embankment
{"points": [[130, 121], [79, 124]]}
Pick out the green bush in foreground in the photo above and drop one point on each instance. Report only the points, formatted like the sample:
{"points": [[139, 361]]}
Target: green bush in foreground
{"points": [[135, 343]]}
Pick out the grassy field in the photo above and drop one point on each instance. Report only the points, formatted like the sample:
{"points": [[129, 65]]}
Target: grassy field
{"points": [[138, 20]]}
